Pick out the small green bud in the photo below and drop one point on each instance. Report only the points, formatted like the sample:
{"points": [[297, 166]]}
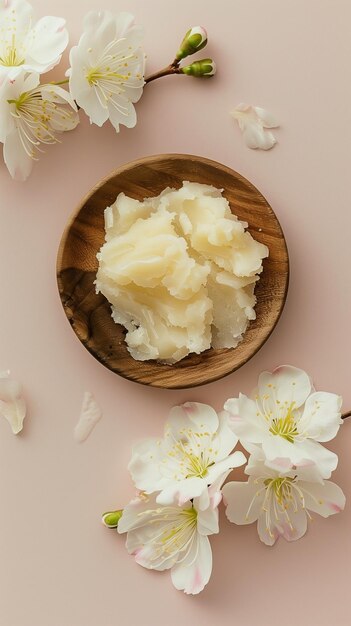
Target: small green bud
{"points": [[111, 518], [205, 67], [194, 40]]}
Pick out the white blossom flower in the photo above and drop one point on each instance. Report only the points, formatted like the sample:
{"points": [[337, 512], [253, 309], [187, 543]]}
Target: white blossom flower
{"points": [[171, 537], [281, 503], [12, 404], [25, 47], [31, 115], [107, 68], [252, 122], [192, 455], [288, 419]]}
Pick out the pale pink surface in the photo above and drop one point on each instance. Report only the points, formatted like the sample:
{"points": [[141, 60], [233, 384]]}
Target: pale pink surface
{"points": [[58, 565]]}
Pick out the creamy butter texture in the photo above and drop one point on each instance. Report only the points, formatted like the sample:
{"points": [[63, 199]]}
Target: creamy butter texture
{"points": [[179, 271]]}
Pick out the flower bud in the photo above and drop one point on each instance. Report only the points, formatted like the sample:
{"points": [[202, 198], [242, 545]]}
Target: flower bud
{"points": [[205, 67], [111, 518], [194, 40]]}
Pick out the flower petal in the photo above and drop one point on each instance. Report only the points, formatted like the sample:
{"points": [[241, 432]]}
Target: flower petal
{"points": [[324, 499], [14, 412], [266, 118], [325, 460], [227, 439], [256, 137], [9, 389], [207, 521], [144, 466], [124, 22], [17, 161], [286, 384], [121, 111], [277, 448], [267, 535], [19, 10], [192, 574], [197, 415], [212, 496], [45, 43], [12, 405], [92, 106], [296, 528], [252, 122], [322, 416], [89, 416], [182, 491], [244, 419], [243, 501], [99, 29], [78, 84], [218, 469]]}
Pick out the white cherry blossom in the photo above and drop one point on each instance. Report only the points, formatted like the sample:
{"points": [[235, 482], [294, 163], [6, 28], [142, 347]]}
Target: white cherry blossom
{"points": [[281, 503], [194, 453], [253, 122], [26, 46], [171, 537], [12, 404], [31, 115], [107, 68], [288, 419]]}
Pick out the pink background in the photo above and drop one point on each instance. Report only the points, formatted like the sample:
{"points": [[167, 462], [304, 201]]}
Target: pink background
{"points": [[58, 565]]}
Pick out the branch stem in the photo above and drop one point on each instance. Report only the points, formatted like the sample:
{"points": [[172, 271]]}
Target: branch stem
{"points": [[173, 68], [345, 415]]}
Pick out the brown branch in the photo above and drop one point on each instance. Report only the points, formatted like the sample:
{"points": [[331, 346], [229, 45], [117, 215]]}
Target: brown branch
{"points": [[345, 415], [173, 68]]}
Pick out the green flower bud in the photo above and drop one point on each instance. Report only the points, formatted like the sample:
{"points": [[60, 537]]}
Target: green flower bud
{"points": [[194, 40], [111, 518], [205, 67]]}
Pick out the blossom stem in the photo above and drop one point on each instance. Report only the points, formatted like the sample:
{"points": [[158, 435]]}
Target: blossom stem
{"points": [[173, 68], [345, 415]]}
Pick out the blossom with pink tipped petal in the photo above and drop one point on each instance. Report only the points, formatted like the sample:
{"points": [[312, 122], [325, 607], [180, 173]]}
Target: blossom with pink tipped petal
{"points": [[281, 503]]}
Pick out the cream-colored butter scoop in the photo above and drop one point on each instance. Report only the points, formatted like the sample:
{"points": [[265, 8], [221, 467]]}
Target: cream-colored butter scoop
{"points": [[179, 271]]}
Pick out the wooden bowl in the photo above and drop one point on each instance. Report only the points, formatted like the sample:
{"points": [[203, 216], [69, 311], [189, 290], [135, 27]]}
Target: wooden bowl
{"points": [[90, 314]]}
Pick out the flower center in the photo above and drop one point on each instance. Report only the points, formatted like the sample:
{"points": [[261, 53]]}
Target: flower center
{"points": [[20, 101], [196, 465], [281, 488], [285, 426], [187, 521], [11, 57], [174, 529], [96, 74]]}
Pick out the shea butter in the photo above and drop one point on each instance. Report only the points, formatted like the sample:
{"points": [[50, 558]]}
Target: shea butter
{"points": [[179, 271]]}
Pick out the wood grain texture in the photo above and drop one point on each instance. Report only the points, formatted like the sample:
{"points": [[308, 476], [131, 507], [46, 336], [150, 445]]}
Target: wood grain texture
{"points": [[90, 315]]}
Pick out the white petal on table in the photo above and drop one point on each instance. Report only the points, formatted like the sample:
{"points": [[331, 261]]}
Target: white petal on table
{"points": [[89, 416], [253, 122], [12, 405]]}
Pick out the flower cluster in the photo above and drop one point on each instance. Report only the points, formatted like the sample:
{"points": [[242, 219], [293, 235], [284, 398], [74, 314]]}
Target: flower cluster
{"points": [[31, 114], [105, 78], [180, 479], [181, 476], [282, 426]]}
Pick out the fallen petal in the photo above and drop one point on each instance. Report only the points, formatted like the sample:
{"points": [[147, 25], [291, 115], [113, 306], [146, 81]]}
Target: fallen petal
{"points": [[267, 119], [12, 405], [89, 416], [252, 122]]}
